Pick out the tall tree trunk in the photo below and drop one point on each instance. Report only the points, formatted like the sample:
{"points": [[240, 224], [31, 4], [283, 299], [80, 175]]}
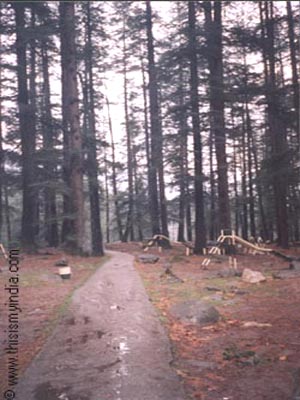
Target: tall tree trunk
{"points": [[49, 166], [212, 223], [147, 132], [27, 129], [33, 104], [250, 172], [72, 134], [244, 183], [96, 231], [264, 227], [107, 199], [129, 229], [183, 131], [235, 178], [114, 174], [137, 194], [236, 192], [156, 165], [189, 216], [200, 231], [213, 28], [276, 125]]}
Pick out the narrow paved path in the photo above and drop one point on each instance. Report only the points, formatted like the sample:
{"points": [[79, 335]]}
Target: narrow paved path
{"points": [[110, 345]]}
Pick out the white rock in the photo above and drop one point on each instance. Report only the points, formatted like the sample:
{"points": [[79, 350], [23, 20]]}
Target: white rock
{"points": [[252, 276]]}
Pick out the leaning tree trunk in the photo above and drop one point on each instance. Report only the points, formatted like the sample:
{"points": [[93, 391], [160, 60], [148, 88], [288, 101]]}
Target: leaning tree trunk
{"points": [[72, 133], [27, 129], [200, 231]]}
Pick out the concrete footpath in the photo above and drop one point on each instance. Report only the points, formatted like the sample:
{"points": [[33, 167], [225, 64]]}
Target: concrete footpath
{"points": [[110, 345]]}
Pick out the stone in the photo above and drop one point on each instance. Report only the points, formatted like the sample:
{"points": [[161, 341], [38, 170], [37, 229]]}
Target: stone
{"points": [[200, 365], [295, 265], [252, 276], [213, 289], [287, 274], [227, 273], [195, 312], [148, 258], [61, 263]]}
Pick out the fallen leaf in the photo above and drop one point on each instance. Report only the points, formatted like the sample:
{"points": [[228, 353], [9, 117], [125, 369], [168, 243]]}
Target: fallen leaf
{"points": [[253, 324], [283, 358]]}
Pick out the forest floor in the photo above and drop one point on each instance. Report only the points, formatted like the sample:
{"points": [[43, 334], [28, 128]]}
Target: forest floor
{"points": [[253, 352], [44, 298], [232, 359]]}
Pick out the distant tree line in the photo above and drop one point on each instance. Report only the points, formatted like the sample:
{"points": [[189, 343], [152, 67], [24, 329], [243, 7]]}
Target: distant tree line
{"points": [[210, 139]]}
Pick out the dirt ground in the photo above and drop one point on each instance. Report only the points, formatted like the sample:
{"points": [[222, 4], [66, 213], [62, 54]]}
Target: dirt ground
{"points": [[44, 298], [230, 360]]}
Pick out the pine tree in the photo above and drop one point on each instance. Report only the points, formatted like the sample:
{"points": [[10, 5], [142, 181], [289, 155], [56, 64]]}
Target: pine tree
{"points": [[213, 23], [27, 130], [156, 173], [93, 169], [200, 231], [277, 128], [73, 232]]}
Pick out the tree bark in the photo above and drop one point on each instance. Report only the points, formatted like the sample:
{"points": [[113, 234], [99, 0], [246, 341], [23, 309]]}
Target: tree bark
{"points": [[183, 132], [96, 231], [295, 77], [114, 174], [156, 161], [200, 231], [27, 129], [129, 229], [276, 124], [244, 183], [250, 172], [72, 134], [213, 27], [137, 202], [51, 235], [33, 104], [107, 198]]}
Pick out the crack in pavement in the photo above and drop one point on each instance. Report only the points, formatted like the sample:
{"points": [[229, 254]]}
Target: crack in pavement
{"points": [[110, 345]]}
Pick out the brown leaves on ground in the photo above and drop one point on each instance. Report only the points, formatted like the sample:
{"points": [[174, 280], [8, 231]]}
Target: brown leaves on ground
{"points": [[253, 351], [43, 297]]}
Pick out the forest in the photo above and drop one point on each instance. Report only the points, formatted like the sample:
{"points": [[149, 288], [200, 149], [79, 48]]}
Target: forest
{"points": [[121, 120]]}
